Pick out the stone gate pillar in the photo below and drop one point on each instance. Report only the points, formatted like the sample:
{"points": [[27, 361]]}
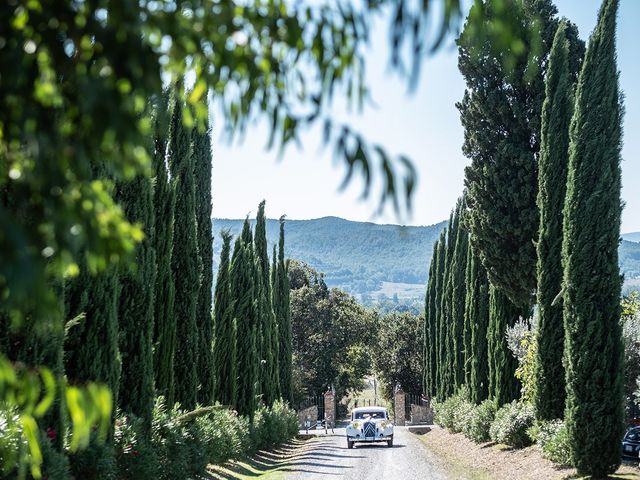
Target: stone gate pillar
{"points": [[330, 408], [398, 406]]}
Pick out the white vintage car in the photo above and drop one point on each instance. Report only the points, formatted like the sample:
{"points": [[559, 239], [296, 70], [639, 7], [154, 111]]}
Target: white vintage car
{"points": [[369, 424]]}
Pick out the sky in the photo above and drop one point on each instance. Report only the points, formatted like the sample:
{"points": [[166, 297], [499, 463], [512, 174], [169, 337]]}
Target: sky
{"points": [[304, 182]]}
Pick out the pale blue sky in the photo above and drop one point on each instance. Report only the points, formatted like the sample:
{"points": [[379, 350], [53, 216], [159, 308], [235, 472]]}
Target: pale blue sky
{"points": [[424, 125]]}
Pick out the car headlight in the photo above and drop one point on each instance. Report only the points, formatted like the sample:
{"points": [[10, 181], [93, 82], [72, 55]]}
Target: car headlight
{"points": [[355, 425]]}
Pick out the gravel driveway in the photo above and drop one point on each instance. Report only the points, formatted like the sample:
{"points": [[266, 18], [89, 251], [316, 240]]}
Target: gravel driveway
{"points": [[328, 457]]}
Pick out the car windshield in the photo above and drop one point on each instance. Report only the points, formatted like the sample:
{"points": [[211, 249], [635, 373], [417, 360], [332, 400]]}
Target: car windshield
{"points": [[364, 415], [633, 434]]}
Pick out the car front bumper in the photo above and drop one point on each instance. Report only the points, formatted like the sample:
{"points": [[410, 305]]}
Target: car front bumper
{"points": [[380, 437]]}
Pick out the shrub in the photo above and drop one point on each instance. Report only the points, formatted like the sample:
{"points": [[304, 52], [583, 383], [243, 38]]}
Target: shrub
{"points": [[226, 435], [511, 424], [479, 422], [55, 464], [273, 426], [553, 440], [454, 413], [135, 456], [96, 461]]}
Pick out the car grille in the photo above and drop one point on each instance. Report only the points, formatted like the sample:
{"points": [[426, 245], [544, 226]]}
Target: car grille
{"points": [[369, 429]]}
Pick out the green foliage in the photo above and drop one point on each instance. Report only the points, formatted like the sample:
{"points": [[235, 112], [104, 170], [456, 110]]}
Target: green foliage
{"points": [[204, 314], [354, 256], [266, 335], [440, 331], [430, 367], [448, 353], [185, 262], [503, 385], [242, 280], [500, 112], [458, 298], [477, 320], [593, 342], [273, 426], [511, 424], [479, 421], [225, 435], [522, 339], [55, 464], [164, 199], [97, 461], [91, 334], [282, 311], [136, 307], [29, 394], [224, 352], [399, 357], [553, 439], [358, 257], [135, 455], [630, 320], [552, 179], [326, 326], [455, 412]]}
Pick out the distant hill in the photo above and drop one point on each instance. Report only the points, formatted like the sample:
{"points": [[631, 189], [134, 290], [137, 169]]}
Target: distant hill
{"points": [[370, 260], [631, 236], [355, 256]]}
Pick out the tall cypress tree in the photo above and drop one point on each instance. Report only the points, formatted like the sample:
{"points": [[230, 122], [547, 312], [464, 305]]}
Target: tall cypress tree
{"points": [[204, 318], [136, 308], [503, 385], [476, 322], [458, 296], [242, 284], [449, 355], [224, 359], [185, 263], [430, 312], [269, 382], [500, 112], [592, 283], [440, 332], [285, 335], [164, 201], [91, 341], [549, 392]]}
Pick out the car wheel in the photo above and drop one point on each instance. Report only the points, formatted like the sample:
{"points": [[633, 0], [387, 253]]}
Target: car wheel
{"points": [[349, 444], [390, 442]]}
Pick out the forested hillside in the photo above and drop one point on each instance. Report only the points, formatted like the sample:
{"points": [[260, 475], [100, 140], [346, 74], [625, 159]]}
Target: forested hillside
{"points": [[359, 256]]}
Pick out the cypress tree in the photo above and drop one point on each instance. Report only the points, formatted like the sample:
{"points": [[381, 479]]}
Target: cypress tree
{"points": [[242, 286], [224, 359], [592, 283], [91, 352], [269, 382], [185, 263], [440, 332], [164, 201], [476, 322], [204, 318], [549, 392], [430, 313], [500, 112], [458, 296], [503, 385], [285, 340], [448, 362], [135, 308]]}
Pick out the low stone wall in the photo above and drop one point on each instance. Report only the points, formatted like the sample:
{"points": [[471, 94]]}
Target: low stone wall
{"points": [[310, 413], [421, 415]]}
